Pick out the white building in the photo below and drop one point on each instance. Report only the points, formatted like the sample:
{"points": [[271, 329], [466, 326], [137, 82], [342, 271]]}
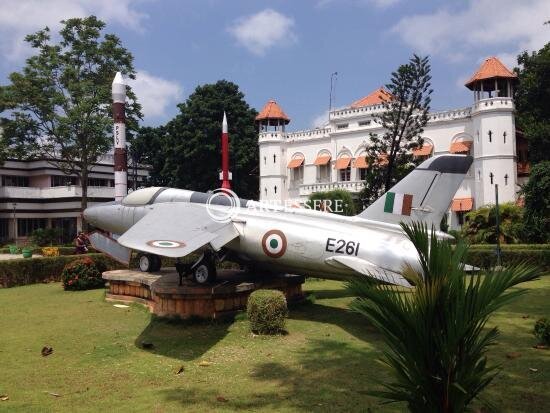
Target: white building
{"points": [[295, 164], [36, 194]]}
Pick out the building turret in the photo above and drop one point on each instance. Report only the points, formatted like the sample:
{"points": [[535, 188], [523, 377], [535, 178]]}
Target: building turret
{"points": [[492, 80], [271, 123], [494, 131]]}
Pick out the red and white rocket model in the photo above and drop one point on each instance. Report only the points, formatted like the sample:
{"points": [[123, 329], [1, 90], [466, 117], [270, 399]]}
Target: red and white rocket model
{"points": [[225, 175], [119, 134]]}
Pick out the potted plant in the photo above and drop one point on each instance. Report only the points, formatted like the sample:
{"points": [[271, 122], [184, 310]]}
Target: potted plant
{"points": [[13, 249], [27, 251]]}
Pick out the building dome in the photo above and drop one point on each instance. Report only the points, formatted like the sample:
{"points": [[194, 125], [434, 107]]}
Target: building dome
{"points": [[272, 114]]}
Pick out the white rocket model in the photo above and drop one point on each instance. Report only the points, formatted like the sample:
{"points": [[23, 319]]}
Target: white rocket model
{"points": [[119, 134]]}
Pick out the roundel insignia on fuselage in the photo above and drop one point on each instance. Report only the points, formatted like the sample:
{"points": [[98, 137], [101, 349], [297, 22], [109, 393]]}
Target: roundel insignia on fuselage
{"points": [[161, 243], [274, 243]]}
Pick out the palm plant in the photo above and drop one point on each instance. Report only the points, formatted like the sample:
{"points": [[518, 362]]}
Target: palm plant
{"points": [[436, 335]]}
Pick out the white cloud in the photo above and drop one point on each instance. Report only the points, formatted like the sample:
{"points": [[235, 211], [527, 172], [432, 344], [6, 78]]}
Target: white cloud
{"points": [[19, 18], [506, 26], [261, 31], [154, 93], [320, 120]]}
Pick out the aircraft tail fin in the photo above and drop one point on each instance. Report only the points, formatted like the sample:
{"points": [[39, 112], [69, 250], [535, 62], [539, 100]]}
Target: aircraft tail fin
{"points": [[424, 194]]}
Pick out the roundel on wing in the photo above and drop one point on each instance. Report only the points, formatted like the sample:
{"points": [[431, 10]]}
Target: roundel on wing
{"points": [[161, 243], [274, 243]]}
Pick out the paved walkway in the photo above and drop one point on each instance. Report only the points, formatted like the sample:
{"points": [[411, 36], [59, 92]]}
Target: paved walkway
{"points": [[4, 257]]}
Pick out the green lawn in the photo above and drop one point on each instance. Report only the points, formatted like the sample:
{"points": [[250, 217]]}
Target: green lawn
{"points": [[327, 362]]}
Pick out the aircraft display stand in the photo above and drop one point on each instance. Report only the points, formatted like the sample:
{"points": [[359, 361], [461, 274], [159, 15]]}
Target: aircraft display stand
{"points": [[162, 293]]}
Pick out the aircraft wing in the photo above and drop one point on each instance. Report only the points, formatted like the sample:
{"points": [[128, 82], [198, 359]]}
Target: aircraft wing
{"points": [[177, 229], [367, 268]]}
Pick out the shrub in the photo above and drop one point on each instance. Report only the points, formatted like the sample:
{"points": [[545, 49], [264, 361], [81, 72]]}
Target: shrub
{"points": [[50, 252], [542, 330], [338, 201], [267, 310], [435, 334], [42, 269], [81, 274], [480, 226], [45, 236]]}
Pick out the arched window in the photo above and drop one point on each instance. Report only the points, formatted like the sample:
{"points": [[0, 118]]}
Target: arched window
{"points": [[275, 189], [274, 158], [491, 176], [322, 162], [265, 190], [343, 166], [504, 136], [490, 136], [506, 179]]}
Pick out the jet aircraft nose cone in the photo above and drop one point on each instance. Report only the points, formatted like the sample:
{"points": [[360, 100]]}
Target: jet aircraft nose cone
{"points": [[91, 214]]}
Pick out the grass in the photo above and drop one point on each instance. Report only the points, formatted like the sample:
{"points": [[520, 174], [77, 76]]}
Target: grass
{"points": [[327, 362]]}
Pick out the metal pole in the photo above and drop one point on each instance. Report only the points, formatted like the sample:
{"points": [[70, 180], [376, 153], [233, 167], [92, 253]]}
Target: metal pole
{"points": [[497, 215], [330, 94]]}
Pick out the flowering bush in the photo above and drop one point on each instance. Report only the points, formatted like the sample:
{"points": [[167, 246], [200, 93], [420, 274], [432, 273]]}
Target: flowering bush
{"points": [[50, 252], [81, 274]]}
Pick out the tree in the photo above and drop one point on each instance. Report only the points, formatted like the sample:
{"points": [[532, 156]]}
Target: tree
{"points": [[403, 119], [337, 201], [193, 157], [60, 102], [436, 334], [532, 98], [537, 203], [149, 147]]}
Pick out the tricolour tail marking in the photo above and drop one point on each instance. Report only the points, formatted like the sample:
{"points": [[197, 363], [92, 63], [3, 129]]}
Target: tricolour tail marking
{"points": [[423, 195]]}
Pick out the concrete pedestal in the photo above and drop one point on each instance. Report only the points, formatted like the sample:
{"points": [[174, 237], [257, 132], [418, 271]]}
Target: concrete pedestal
{"points": [[161, 293]]}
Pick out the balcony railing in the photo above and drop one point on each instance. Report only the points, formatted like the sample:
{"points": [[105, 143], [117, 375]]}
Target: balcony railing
{"points": [[55, 192], [352, 186]]}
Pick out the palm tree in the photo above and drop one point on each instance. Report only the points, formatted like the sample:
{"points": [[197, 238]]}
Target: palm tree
{"points": [[436, 335]]}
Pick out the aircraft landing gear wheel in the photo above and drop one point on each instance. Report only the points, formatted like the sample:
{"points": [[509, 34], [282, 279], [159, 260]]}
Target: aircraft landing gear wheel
{"points": [[205, 270], [148, 262]]}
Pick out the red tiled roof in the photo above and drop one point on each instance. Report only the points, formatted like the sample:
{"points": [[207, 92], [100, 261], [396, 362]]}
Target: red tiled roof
{"points": [[424, 150], [491, 68], [322, 160], [461, 147], [462, 204], [343, 162], [272, 110], [380, 95], [296, 162], [361, 162]]}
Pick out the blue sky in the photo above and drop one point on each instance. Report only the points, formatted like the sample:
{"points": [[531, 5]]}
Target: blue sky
{"points": [[287, 50]]}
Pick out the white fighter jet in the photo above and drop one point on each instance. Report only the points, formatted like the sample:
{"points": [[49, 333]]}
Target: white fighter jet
{"points": [[176, 222]]}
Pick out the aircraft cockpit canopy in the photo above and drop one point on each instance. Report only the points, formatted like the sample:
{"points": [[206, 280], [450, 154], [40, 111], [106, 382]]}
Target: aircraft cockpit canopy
{"points": [[143, 196]]}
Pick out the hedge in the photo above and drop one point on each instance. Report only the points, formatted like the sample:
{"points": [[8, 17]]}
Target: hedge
{"points": [[510, 247], [23, 271], [486, 257], [38, 250]]}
